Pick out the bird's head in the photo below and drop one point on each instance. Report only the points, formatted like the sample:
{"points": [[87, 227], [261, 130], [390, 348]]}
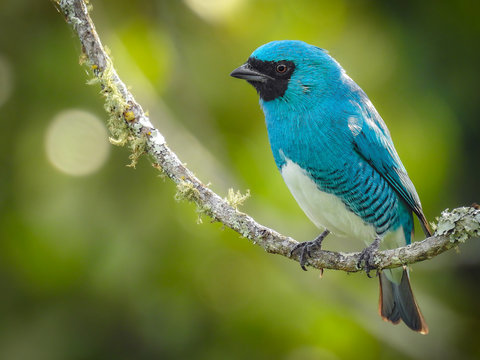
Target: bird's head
{"points": [[290, 71]]}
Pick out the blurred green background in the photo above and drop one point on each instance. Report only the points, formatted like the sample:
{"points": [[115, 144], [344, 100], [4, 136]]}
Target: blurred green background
{"points": [[98, 261]]}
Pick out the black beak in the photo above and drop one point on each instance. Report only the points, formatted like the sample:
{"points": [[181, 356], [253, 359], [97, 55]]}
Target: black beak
{"points": [[245, 72]]}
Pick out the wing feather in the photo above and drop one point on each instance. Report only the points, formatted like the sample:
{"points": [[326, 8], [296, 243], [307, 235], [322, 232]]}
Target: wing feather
{"points": [[372, 141]]}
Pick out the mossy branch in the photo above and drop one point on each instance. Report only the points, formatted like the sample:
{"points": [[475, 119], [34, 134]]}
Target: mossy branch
{"points": [[129, 124]]}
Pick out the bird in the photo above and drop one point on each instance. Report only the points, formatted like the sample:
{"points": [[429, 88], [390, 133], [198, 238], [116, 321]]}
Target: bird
{"points": [[337, 158]]}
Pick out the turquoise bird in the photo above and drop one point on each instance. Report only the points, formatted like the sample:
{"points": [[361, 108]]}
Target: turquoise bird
{"points": [[337, 158]]}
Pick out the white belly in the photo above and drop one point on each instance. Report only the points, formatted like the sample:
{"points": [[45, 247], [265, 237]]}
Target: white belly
{"points": [[323, 209]]}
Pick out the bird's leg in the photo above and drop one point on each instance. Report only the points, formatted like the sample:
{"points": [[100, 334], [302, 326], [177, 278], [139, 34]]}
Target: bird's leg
{"points": [[368, 254], [307, 246]]}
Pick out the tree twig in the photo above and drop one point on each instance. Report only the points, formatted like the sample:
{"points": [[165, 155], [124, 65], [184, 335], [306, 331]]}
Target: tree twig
{"points": [[128, 123]]}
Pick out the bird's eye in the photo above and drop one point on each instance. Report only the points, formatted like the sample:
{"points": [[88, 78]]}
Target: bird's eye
{"points": [[281, 68]]}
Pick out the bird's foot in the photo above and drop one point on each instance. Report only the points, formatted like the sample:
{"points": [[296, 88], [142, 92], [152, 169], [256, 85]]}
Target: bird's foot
{"points": [[368, 256], [307, 246]]}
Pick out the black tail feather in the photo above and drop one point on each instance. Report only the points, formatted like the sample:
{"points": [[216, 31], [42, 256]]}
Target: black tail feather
{"points": [[398, 303]]}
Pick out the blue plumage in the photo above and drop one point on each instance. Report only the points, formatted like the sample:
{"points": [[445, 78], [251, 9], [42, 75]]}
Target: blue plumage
{"points": [[326, 124], [337, 157]]}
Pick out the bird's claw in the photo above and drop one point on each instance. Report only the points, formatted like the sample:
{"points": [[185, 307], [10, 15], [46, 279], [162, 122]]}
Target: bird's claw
{"points": [[367, 256], [305, 247]]}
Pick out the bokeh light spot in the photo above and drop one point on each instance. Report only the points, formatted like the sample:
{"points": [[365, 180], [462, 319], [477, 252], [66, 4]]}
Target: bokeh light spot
{"points": [[6, 80], [77, 142], [214, 10]]}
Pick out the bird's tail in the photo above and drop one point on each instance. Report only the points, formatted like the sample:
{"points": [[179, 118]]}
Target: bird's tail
{"points": [[398, 303]]}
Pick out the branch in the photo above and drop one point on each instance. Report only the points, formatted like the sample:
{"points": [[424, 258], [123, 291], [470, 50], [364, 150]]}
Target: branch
{"points": [[128, 123]]}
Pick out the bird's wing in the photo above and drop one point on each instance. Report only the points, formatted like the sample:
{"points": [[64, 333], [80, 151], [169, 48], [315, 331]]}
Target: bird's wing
{"points": [[372, 141]]}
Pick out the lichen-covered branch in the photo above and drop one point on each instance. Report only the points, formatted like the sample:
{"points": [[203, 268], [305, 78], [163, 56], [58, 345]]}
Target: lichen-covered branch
{"points": [[130, 125]]}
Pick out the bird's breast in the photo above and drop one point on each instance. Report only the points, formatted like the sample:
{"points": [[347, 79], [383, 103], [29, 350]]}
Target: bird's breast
{"points": [[324, 209]]}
